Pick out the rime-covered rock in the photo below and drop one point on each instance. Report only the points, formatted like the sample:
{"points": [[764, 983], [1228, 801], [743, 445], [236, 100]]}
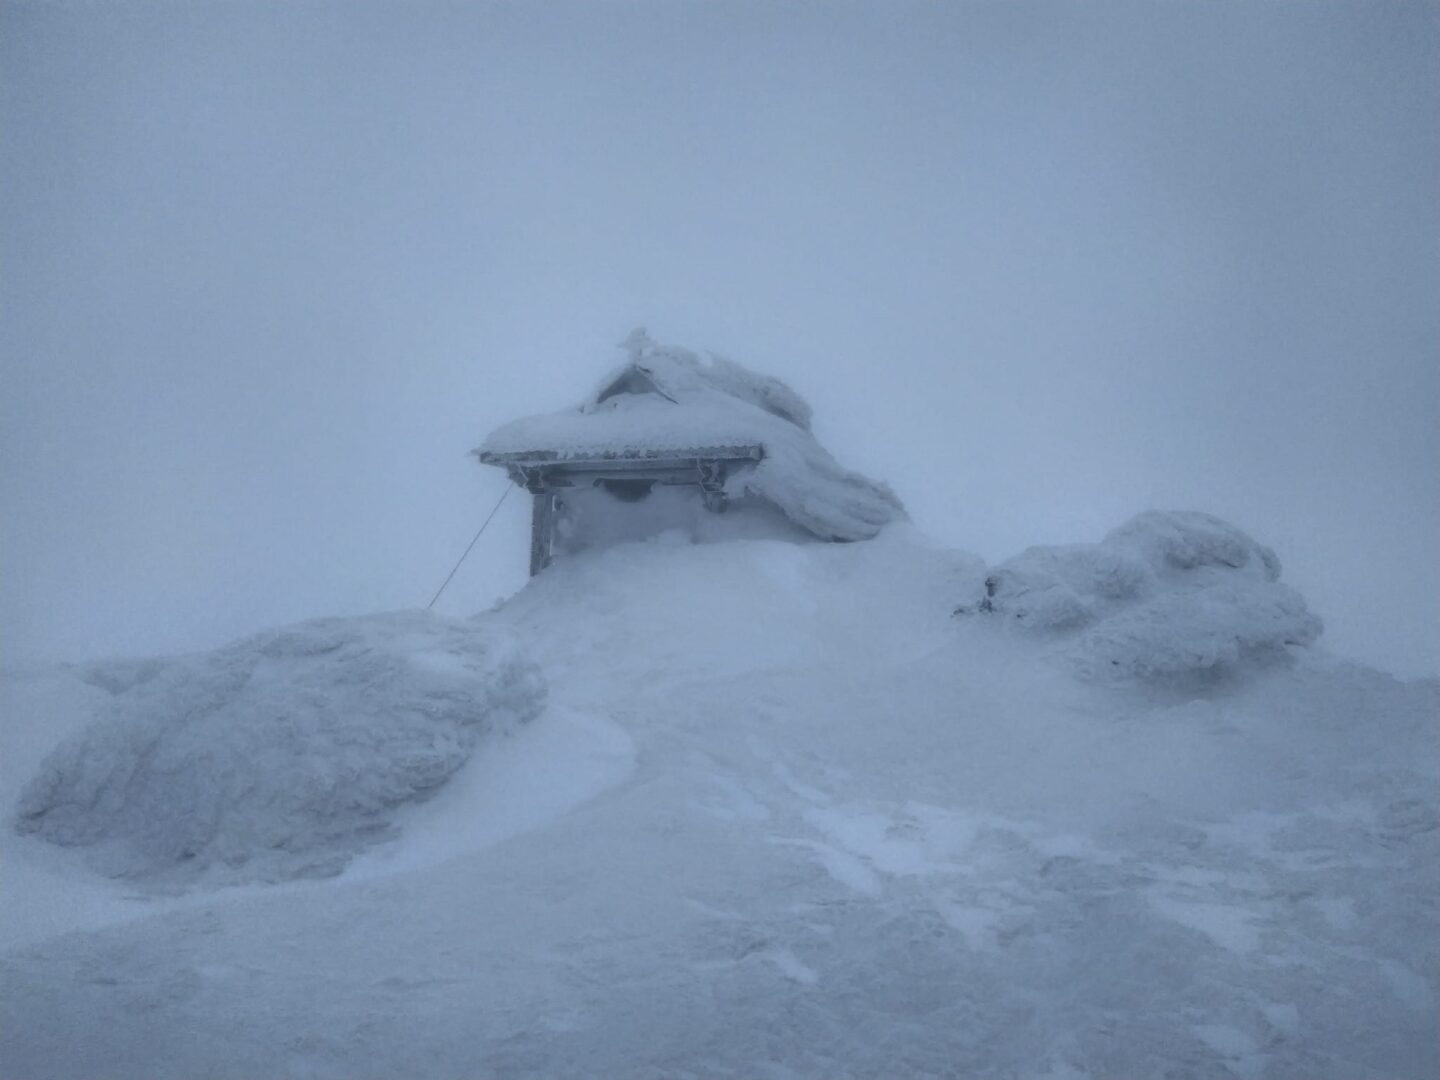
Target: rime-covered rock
{"points": [[1167, 593], [281, 755]]}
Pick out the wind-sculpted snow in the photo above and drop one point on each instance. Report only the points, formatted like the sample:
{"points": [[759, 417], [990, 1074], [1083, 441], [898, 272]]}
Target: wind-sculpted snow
{"points": [[1166, 595], [809, 824], [279, 756]]}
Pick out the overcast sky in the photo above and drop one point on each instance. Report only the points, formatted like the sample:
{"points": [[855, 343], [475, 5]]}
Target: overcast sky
{"points": [[269, 270]]}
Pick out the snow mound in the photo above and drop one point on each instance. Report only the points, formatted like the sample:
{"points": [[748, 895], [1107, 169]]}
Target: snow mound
{"points": [[667, 401], [1167, 594], [279, 756]]}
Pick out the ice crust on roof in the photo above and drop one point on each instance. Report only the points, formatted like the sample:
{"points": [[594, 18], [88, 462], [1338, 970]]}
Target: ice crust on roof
{"points": [[668, 399], [1167, 594]]}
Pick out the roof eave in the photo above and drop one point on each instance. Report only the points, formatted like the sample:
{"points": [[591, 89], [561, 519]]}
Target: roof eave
{"points": [[638, 456]]}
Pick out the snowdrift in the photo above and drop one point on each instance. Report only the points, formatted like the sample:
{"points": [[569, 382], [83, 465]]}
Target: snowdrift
{"points": [[1167, 595], [279, 756], [817, 826]]}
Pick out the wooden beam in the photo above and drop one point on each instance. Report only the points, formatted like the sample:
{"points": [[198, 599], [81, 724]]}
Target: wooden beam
{"points": [[542, 532]]}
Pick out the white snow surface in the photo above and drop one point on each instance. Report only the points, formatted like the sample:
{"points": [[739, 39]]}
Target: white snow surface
{"points": [[706, 402], [786, 815]]}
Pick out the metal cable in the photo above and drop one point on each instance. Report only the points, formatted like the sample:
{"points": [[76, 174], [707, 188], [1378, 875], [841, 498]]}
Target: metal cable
{"points": [[503, 496]]}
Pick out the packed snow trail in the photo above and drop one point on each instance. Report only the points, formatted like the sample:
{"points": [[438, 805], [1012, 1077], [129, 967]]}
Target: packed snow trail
{"points": [[821, 827]]}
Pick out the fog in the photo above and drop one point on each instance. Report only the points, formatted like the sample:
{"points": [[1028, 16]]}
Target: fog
{"points": [[269, 271]]}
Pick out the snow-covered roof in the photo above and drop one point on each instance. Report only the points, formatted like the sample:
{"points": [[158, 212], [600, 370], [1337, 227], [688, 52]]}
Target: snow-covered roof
{"points": [[667, 402]]}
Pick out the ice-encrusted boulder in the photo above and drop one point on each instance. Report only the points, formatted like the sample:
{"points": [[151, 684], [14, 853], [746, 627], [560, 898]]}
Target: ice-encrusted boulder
{"points": [[1168, 593], [281, 755]]}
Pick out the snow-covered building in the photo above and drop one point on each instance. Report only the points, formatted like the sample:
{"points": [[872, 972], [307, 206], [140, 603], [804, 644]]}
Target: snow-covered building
{"points": [[674, 440]]}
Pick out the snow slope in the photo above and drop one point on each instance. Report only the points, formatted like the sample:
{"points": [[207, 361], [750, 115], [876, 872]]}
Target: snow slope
{"points": [[786, 814]]}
